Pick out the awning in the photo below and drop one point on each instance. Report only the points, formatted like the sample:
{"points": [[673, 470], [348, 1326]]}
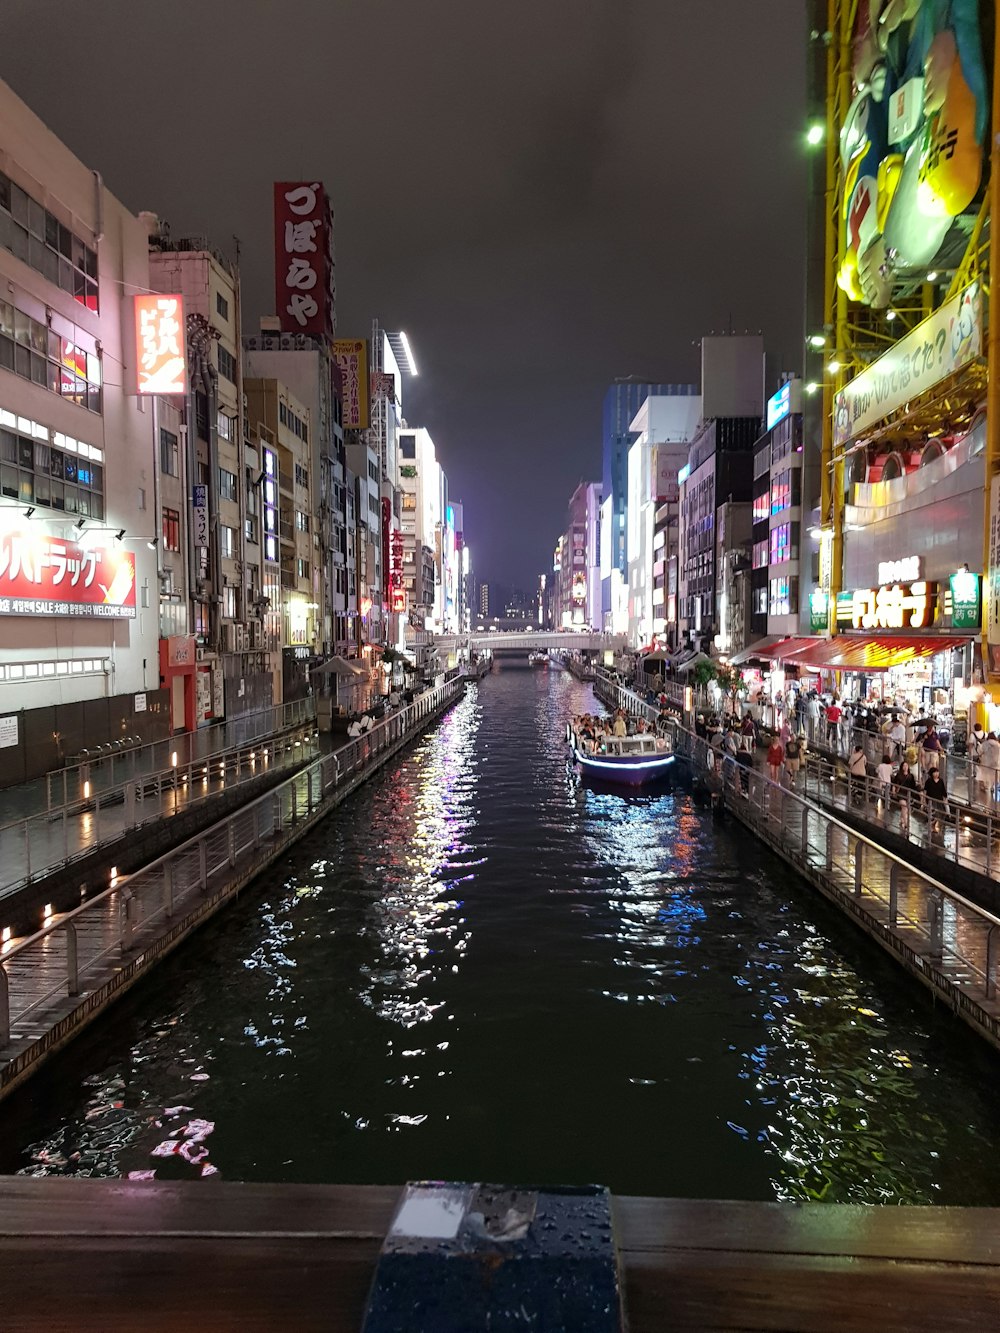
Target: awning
{"points": [[339, 666], [849, 652], [774, 648]]}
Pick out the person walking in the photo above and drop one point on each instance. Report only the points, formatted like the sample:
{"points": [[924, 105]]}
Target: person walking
{"points": [[775, 759], [930, 749], [834, 713], [857, 767], [897, 738], [905, 787], [989, 765], [793, 758], [884, 775], [976, 741], [936, 795]]}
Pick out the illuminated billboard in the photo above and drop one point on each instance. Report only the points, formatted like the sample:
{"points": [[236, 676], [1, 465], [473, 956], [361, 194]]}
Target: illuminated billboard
{"points": [[911, 141], [303, 258], [47, 576], [160, 360], [351, 357]]}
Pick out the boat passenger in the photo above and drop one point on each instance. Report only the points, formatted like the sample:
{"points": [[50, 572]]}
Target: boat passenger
{"points": [[619, 728]]}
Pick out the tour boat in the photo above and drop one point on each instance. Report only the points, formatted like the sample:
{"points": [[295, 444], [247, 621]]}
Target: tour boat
{"points": [[634, 761], [538, 659]]}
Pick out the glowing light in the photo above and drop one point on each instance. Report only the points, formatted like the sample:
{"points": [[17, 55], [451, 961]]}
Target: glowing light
{"points": [[890, 315], [818, 340], [86, 791], [173, 760], [812, 386], [47, 911], [833, 367], [815, 133], [409, 353]]}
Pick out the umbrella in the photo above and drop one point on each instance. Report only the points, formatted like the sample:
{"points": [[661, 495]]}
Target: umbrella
{"points": [[656, 659], [338, 666], [693, 661]]}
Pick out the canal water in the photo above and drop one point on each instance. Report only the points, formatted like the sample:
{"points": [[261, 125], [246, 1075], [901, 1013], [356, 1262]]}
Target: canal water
{"points": [[479, 969]]}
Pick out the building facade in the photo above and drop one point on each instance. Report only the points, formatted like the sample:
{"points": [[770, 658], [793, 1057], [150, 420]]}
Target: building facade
{"points": [[79, 594], [622, 401]]}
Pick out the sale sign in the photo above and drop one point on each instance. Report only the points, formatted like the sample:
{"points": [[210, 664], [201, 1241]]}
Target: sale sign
{"points": [[47, 576]]}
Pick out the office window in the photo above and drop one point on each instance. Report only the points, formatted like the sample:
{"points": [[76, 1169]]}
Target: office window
{"points": [[221, 305], [250, 530], [228, 542], [227, 365], [784, 597], [226, 426], [229, 601], [227, 485], [409, 500], [301, 475], [171, 530], [41, 241], [302, 568], [33, 351], [169, 457], [41, 466], [301, 521]]}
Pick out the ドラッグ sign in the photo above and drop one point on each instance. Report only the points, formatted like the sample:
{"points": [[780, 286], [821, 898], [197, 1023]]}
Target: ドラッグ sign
{"points": [[48, 576]]}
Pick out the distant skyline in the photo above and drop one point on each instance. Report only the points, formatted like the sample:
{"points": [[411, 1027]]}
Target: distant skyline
{"points": [[543, 205]]}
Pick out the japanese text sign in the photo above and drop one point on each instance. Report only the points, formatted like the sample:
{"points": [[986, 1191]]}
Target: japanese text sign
{"points": [[42, 575], [351, 356], [947, 340], [901, 606], [160, 361], [303, 263]]}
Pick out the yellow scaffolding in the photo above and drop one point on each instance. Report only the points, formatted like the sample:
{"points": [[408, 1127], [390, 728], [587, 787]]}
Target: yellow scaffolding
{"points": [[859, 334]]}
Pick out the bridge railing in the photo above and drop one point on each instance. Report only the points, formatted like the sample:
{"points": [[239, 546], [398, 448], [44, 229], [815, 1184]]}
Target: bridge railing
{"points": [[70, 955]]}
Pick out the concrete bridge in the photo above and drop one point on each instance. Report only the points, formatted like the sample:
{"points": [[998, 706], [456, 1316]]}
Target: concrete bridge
{"points": [[504, 641]]}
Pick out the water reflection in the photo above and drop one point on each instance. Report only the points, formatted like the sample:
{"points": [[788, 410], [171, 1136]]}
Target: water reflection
{"points": [[479, 968]]}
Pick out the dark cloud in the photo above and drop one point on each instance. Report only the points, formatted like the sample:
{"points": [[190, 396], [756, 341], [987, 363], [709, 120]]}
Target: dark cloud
{"points": [[544, 194]]}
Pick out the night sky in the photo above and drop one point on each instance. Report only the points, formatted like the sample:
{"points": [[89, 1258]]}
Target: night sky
{"points": [[544, 194]]}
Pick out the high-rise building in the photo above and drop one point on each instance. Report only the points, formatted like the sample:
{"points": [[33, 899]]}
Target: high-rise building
{"points": [[663, 428], [719, 469], [621, 402], [484, 599]]}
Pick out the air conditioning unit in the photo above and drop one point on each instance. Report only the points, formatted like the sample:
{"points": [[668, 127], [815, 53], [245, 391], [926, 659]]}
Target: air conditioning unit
{"points": [[199, 654], [241, 638], [256, 634], [229, 637], [286, 342]]}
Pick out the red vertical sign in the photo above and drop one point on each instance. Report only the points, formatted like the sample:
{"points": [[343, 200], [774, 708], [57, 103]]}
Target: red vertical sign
{"points": [[303, 258], [386, 532]]}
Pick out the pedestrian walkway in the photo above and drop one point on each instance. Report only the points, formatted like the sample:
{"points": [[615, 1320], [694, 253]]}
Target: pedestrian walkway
{"points": [[48, 841], [110, 766]]}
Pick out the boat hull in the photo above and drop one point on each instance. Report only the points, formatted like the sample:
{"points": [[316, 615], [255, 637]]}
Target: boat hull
{"points": [[625, 771]]}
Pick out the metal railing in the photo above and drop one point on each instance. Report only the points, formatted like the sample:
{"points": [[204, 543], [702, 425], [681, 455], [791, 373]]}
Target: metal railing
{"points": [[64, 958], [949, 828], [922, 914], [111, 765], [48, 842]]}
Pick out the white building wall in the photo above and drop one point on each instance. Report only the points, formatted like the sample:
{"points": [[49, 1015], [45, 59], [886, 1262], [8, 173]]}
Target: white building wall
{"points": [[36, 162]]}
